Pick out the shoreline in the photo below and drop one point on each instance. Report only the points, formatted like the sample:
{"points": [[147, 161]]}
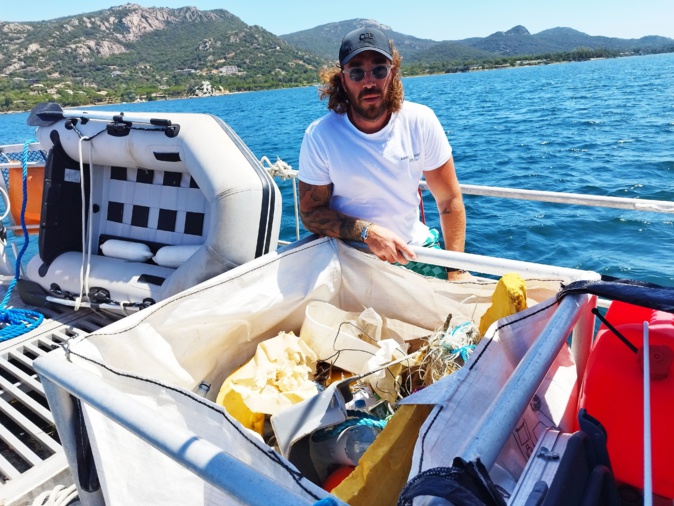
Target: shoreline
{"points": [[476, 69], [136, 102]]}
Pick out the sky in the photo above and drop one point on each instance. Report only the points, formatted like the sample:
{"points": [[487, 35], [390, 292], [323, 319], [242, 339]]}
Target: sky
{"points": [[425, 19]]}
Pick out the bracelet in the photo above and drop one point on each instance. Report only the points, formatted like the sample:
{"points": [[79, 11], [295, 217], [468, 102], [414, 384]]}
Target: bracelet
{"points": [[365, 233]]}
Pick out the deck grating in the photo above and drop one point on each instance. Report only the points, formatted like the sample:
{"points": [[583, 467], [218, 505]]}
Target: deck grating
{"points": [[28, 436]]}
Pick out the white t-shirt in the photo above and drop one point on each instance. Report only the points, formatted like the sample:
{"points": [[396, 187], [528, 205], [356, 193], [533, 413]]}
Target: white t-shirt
{"points": [[376, 176]]}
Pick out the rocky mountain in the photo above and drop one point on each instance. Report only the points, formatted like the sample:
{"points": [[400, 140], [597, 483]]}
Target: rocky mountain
{"points": [[128, 53], [517, 41], [124, 49], [325, 40]]}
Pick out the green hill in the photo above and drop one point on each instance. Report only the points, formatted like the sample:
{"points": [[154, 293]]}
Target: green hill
{"points": [[130, 53]]}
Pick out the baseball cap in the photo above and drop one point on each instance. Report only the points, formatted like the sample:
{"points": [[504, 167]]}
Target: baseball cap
{"points": [[363, 39]]}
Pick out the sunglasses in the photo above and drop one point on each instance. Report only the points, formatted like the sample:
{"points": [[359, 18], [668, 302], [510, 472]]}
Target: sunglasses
{"points": [[357, 74]]}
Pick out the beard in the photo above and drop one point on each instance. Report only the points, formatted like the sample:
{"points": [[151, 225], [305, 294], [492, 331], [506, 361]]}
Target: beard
{"points": [[369, 112]]}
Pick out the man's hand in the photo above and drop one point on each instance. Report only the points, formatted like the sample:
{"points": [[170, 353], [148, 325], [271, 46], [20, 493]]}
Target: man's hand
{"points": [[388, 246]]}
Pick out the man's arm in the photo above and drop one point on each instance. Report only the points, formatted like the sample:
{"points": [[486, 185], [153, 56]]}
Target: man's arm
{"points": [[444, 185], [319, 218]]}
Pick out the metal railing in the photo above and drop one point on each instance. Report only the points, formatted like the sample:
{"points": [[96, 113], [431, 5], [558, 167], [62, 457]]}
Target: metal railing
{"points": [[630, 204]]}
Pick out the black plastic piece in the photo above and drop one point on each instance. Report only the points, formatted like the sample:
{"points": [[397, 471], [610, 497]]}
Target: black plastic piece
{"points": [[99, 295], [118, 129], [584, 474], [151, 280], [463, 484], [45, 114], [167, 157], [172, 131], [87, 474], [160, 122], [61, 219], [31, 293], [640, 293]]}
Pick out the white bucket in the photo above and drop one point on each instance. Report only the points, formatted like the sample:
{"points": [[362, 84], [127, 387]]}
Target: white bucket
{"points": [[334, 337]]}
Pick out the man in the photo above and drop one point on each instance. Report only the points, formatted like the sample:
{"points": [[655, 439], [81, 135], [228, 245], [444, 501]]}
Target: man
{"points": [[361, 163]]}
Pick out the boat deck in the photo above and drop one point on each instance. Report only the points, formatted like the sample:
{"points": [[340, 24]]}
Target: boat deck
{"points": [[31, 458]]}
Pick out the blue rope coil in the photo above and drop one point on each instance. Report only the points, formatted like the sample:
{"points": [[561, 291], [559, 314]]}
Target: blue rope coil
{"points": [[17, 322]]}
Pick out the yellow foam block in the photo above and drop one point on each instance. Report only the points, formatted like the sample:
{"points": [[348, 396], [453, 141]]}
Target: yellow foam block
{"points": [[278, 376], [233, 402], [510, 297]]}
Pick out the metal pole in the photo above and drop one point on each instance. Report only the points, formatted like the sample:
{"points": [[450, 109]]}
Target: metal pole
{"points": [[497, 266], [648, 471], [491, 265], [150, 118], [500, 419], [657, 206], [201, 457], [581, 340]]}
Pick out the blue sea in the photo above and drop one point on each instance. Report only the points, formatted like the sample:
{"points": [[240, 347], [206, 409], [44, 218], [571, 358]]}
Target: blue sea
{"points": [[603, 127]]}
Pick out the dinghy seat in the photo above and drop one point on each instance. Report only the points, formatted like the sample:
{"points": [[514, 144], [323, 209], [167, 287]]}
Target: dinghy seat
{"points": [[161, 212]]}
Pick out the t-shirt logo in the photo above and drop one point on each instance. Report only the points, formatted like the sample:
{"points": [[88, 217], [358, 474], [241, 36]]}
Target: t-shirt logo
{"points": [[411, 158]]}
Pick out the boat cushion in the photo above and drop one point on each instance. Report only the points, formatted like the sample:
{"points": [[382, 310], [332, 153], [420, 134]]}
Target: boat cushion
{"points": [[153, 206], [126, 250], [174, 256]]}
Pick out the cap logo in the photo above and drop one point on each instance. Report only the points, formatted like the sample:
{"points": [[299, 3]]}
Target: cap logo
{"points": [[364, 39]]}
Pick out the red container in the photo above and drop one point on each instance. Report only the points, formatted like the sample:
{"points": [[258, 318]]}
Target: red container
{"points": [[612, 392]]}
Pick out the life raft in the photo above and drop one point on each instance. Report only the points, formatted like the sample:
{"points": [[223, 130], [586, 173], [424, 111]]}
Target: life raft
{"points": [[138, 207]]}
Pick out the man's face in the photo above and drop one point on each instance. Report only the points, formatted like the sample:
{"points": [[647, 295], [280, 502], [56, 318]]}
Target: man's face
{"points": [[368, 98]]}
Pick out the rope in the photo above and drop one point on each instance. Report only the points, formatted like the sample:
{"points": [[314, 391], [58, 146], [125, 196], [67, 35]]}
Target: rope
{"points": [[284, 171], [457, 337], [278, 169], [85, 269], [58, 496], [19, 321]]}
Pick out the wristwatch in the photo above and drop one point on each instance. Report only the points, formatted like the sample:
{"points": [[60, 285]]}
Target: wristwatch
{"points": [[366, 232]]}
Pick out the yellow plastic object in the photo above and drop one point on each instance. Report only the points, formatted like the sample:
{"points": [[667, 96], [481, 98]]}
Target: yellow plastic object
{"points": [[278, 376], [383, 469], [510, 297]]}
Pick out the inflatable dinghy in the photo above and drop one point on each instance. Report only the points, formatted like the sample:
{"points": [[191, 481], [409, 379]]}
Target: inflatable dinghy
{"points": [[138, 207]]}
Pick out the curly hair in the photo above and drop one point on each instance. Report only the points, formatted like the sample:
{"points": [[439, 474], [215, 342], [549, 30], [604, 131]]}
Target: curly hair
{"points": [[337, 99]]}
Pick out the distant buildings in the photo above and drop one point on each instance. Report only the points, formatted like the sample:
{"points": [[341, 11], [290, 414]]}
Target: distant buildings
{"points": [[228, 70]]}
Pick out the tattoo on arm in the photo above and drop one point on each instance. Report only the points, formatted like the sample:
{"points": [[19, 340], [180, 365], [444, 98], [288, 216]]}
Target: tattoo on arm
{"points": [[319, 218]]}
